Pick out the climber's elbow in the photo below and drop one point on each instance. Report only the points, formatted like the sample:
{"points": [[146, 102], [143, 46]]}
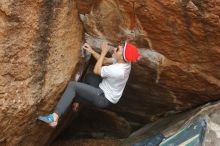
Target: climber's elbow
{"points": [[97, 71]]}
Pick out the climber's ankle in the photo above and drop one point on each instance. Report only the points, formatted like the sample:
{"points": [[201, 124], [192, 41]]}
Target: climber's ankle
{"points": [[56, 116]]}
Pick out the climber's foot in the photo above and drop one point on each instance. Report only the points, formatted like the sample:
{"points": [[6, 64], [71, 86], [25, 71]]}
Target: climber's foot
{"points": [[75, 106], [51, 119]]}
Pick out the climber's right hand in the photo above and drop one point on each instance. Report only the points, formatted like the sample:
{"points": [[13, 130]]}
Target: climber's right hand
{"points": [[88, 48]]}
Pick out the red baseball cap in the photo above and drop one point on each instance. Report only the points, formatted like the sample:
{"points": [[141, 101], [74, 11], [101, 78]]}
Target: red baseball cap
{"points": [[130, 53]]}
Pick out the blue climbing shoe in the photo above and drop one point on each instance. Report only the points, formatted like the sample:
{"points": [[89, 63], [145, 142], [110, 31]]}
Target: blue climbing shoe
{"points": [[47, 119]]}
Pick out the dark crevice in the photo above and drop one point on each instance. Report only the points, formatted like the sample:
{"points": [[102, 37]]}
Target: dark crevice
{"points": [[188, 21], [41, 50]]}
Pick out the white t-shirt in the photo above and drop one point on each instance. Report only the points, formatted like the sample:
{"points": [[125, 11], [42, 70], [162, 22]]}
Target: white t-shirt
{"points": [[115, 77]]}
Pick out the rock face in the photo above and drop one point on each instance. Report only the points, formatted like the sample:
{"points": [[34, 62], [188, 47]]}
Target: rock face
{"points": [[40, 43], [102, 123], [40, 40], [173, 124], [168, 126], [180, 44]]}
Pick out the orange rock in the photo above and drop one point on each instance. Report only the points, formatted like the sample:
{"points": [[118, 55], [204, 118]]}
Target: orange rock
{"points": [[185, 33], [179, 41], [40, 43]]}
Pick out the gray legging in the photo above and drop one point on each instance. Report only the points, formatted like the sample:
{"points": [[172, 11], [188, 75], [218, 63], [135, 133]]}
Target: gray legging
{"points": [[88, 91]]}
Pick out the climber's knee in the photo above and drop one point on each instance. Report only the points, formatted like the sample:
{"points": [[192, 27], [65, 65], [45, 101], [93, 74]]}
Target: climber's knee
{"points": [[72, 83]]}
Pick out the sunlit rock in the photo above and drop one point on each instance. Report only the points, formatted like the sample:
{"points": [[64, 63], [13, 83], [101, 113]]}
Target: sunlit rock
{"points": [[40, 43]]}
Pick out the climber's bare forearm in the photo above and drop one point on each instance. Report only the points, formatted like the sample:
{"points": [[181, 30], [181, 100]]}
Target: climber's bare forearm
{"points": [[106, 59], [98, 65]]}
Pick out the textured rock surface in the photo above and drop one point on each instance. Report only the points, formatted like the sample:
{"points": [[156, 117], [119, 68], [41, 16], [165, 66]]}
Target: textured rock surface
{"points": [[97, 123], [39, 50], [180, 44], [179, 41], [167, 126], [173, 124]]}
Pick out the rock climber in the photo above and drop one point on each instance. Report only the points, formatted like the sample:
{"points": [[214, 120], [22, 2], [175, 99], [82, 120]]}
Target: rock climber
{"points": [[104, 87]]}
